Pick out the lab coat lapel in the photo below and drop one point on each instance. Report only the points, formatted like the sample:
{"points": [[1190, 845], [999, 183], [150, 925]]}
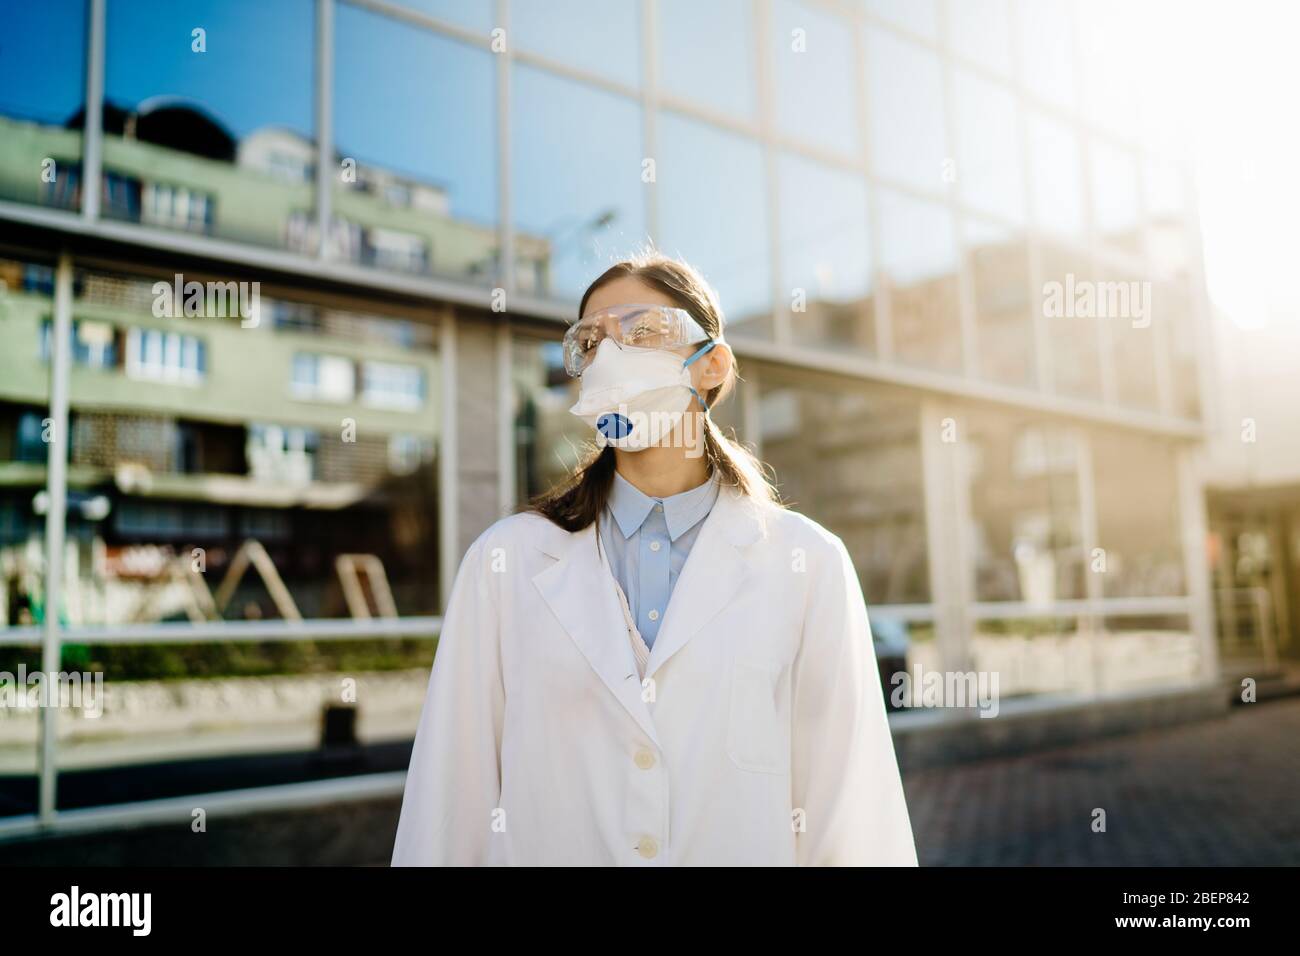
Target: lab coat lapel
{"points": [[712, 576], [580, 592]]}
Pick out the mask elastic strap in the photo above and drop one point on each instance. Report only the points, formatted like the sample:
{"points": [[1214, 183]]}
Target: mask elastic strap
{"points": [[699, 353]]}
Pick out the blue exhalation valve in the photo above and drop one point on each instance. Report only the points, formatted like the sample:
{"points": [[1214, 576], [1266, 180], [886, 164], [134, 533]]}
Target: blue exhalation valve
{"points": [[614, 425]]}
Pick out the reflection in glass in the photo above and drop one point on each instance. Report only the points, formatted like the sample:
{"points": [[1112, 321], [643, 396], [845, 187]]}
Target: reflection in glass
{"points": [[1047, 50], [1141, 652], [813, 77], [26, 439], [1171, 312], [212, 133], [918, 256], [1165, 194], [919, 16], [415, 190], [989, 171], [470, 14], [549, 441], [826, 255], [711, 212], [1115, 201], [1127, 307], [1069, 321], [579, 199], [593, 35], [850, 458], [1036, 656], [26, 312], [1137, 515], [1055, 177], [1112, 51], [706, 54], [1024, 494], [42, 97], [292, 443], [980, 30], [905, 93], [998, 262]]}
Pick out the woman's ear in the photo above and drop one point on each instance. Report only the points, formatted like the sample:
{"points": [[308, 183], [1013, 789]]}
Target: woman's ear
{"points": [[715, 366]]}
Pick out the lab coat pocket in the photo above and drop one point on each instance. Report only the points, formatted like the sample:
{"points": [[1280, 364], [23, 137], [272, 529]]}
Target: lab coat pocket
{"points": [[756, 738]]}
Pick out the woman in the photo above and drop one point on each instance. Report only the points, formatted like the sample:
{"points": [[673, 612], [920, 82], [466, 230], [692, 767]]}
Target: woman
{"points": [[578, 715]]}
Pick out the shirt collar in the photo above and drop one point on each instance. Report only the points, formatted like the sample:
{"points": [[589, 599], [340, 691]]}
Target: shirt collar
{"points": [[630, 506]]}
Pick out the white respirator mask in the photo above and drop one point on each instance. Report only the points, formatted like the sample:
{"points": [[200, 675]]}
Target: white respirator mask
{"points": [[636, 397]]}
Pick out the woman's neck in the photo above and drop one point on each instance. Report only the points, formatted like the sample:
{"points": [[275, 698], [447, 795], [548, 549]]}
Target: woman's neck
{"points": [[662, 471]]}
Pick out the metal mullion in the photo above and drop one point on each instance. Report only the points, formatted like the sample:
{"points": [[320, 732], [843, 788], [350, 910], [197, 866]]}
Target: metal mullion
{"points": [[92, 144], [324, 123], [965, 281], [448, 459], [783, 320], [55, 529], [650, 108], [509, 276]]}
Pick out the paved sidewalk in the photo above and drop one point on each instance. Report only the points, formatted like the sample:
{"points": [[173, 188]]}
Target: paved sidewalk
{"points": [[1221, 792]]}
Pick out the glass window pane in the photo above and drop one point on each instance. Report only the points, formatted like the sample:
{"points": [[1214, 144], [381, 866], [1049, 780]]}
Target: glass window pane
{"points": [[219, 452], [713, 214], [706, 54], [1137, 516], [813, 81], [990, 176], [919, 16], [1070, 321], [470, 14], [998, 261], [826, 255], [1125, 302], [1165, 193], [549, 441], [905, 90], [1171, 310], [849, 457], [416, 190], [1047, 50], [209, 115], [1114, 46], [42, 109], [26, 439], [1115, 201], [1024, 496], [576, 181], [918, 252], [980, 30], [592, 35], [1056, 177]]}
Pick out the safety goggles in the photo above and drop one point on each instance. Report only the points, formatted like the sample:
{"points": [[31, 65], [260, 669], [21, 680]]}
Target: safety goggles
{"points": [[630, 327]]}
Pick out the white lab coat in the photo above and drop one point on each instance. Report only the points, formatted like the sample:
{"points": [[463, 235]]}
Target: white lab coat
{"points": [[758, 736]]}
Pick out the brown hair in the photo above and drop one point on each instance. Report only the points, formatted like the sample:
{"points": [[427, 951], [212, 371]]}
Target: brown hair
{"points": [[577, 502]]}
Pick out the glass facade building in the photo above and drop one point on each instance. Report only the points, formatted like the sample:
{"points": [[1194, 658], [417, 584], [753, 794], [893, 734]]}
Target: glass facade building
{"points": [[965, 292]]}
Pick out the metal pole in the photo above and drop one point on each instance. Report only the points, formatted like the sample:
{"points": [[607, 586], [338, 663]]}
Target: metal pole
{"points": [[55, 518], [325, 167], [93, 133]]}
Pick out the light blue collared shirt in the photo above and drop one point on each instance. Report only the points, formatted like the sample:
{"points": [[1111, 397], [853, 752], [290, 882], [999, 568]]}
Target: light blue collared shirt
{"points": [[647, 540]]}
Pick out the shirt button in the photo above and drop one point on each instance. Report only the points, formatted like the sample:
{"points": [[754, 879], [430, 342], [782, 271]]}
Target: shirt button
{"points": [[659, 509], [644, 759], [647, 847], [654, 545], [653, 615]]}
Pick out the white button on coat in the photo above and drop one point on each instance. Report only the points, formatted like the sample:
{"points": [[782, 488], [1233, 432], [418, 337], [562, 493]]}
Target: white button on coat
{"points": [[767, 723]]}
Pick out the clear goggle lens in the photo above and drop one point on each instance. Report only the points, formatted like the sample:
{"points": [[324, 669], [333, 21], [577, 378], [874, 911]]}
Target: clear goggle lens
{"points": [[630, 326]]}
